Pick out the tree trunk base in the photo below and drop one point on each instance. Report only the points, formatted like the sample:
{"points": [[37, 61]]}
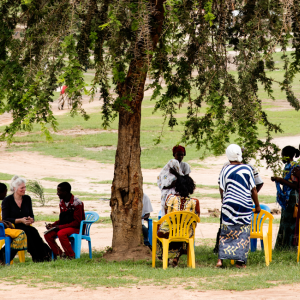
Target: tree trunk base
{"points": [[139, 253]]}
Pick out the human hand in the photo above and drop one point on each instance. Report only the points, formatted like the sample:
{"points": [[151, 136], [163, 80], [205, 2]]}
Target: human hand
{"points": [[48, 226], [30, 219], [257, 209], [26, 221], [277, 179], [174, 172]]}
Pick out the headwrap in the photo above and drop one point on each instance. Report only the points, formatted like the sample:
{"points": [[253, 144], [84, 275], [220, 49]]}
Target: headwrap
{"points": [[178, 149], [234, 153]]}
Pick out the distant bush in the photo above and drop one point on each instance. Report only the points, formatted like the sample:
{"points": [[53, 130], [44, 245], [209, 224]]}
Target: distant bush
{"points": [[37, 189]]}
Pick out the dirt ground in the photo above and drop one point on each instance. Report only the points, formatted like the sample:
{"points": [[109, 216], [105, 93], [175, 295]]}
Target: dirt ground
{"points": [[9, 292], [84, 172]]}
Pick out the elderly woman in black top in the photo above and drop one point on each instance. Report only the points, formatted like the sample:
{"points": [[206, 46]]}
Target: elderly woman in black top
{"points": [[17, 209]]}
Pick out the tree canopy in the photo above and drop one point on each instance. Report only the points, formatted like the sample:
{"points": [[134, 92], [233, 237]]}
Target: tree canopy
{"points": [[197, 46]]}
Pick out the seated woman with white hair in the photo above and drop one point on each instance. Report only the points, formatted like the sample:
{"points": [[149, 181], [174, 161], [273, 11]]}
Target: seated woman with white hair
{"points": [[17, 209], [237, 189]]}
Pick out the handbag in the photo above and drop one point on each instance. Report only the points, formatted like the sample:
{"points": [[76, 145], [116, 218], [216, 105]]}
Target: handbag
{"points": [[295, 214]]}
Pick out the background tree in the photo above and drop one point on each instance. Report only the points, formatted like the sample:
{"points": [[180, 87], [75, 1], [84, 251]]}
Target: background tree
{"points": [[183, 45]]}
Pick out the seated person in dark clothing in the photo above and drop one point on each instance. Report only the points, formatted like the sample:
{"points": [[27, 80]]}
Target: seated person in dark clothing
{"points": [[17, 209], [71, 215]]}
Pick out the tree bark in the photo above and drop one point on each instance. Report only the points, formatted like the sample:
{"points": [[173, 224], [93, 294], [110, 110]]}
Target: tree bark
{"points": [[127, 188]]}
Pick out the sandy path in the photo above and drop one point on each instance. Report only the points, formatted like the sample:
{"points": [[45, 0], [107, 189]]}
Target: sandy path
{"points": [[9, 292]]}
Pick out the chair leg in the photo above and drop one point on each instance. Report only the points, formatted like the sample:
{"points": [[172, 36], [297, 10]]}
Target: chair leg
{"points": [[270, 246], [77, 246], [298, 249], [266, 248], [191, 252], [188, 256], [21, 255], [7, 250], [154, 244], [165, 253], [90, 249]]}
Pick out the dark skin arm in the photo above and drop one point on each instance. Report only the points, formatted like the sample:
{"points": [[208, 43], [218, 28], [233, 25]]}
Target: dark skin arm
{"points": [[255, 200], [259, 186], [292, 185], [221, 194], [146, 216], [173, 184]]}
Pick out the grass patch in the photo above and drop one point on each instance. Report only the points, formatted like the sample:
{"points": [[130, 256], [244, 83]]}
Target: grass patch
{"points": [[206, 186], [5, 176], [98, 272], [103, 182], [46, 218], [57, 179]]}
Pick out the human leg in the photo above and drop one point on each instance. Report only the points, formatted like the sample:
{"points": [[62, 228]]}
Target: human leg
{"points": [[50, 239], [63, 236], [145, 234], [38, 250]]}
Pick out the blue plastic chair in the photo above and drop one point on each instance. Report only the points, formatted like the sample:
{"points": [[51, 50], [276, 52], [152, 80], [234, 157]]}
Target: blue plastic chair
{"points": [[253, 242], [75, 239], [150, 231], [90, 218], [159, 215], [7, 241]]}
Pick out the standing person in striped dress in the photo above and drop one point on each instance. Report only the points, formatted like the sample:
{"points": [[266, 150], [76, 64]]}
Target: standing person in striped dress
{"points": [[237, 189]]}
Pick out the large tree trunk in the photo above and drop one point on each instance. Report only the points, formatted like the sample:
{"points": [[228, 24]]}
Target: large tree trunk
{"points": [[127, 189]]}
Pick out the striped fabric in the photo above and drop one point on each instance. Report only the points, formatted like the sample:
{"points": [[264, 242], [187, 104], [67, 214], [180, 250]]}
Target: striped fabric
{"points": [[237, 181]]}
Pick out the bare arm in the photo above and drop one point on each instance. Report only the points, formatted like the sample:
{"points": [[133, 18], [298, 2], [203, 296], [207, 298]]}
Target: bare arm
{"points": [[221, 194], [259, 186], [255, 200], [292, 185]]}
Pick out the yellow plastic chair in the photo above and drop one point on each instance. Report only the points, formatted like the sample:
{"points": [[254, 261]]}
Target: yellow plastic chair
{"points": [[257, 232], [298, 246], [179, 224]]}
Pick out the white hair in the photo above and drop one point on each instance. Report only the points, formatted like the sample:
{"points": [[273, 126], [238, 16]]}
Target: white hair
{"points": [[16, 181]]}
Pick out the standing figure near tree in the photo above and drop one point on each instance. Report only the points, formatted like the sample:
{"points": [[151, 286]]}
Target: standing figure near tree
{"points": [[237, 187], [296, 176], [166, 180], [287, 197], [17, 209]]}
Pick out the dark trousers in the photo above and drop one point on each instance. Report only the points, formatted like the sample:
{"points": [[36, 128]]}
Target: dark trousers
{"points": [[145, 234]]}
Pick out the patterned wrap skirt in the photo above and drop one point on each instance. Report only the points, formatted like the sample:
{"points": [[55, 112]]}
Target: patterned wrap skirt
{"points": [[234, 242], [19, 239]]}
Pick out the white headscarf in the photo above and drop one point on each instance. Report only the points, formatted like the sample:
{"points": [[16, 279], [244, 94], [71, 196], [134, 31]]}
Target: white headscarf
{"points": [[234, 153]]}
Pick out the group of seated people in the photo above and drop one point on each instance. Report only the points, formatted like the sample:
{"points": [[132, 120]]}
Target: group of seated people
{"points": [[239, 184], [17, 218]]}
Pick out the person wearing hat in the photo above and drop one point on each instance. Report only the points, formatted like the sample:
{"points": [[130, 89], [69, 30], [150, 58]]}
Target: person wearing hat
{"points": [[237, 189], [166, 180]]}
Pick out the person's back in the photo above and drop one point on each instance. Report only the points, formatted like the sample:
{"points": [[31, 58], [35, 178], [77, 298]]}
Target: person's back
{"points": [[237, 182]]}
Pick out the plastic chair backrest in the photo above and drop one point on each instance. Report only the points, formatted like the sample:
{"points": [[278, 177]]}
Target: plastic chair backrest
{"points": [[179, 223], [258, 221], [2, 230], [264, 207], [90, 218]]}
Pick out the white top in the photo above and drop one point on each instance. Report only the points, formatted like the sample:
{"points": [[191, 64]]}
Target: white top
{"points": [[147, 206], [185, 168]]}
